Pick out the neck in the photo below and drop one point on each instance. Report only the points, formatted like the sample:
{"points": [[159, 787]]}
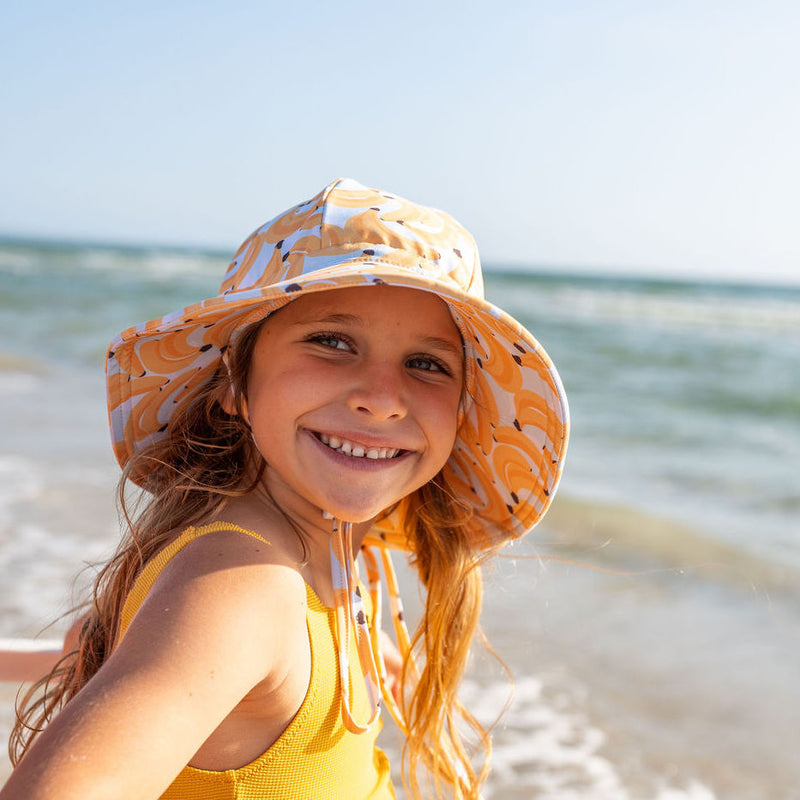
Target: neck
{"points": [[313, 523], [301, 531]]}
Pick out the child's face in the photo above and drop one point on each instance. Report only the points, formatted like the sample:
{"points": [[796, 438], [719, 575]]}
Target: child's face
{"points": [[353, 397]]}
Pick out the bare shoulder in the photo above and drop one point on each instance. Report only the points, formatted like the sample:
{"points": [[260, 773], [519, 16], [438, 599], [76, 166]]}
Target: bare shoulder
{"points": [[226, 592], [234, 555]]}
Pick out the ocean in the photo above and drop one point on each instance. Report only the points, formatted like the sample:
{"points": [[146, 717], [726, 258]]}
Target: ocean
{"points": [[651, 622]]}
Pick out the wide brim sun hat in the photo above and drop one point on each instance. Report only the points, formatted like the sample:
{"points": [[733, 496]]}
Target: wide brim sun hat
{"points": [[512, 436]]}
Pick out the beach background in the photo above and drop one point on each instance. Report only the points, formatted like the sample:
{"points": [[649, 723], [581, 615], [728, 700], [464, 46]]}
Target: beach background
{"points": [[630, 172], [652, 621]]}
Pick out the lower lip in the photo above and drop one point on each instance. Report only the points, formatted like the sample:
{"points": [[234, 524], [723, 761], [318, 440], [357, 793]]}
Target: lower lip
{"points": [[363, 464]]}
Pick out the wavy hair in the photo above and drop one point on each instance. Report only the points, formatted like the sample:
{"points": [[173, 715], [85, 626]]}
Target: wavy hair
{"points": [[439, 527], [208, 456]]}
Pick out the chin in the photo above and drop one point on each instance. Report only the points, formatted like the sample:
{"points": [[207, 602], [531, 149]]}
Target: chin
{"points": [[357, 513]]}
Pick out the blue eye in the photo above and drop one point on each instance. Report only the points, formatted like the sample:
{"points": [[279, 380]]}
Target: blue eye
{"points": [[334, 341], [427, 364]]}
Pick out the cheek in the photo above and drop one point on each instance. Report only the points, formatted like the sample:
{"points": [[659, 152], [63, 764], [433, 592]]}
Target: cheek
{"points": [[267, 399], [276, 385], [443, 423], [279, 400]]}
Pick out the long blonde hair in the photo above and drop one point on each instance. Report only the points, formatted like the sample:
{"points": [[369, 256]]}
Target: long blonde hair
{"points": [[208, 456]]}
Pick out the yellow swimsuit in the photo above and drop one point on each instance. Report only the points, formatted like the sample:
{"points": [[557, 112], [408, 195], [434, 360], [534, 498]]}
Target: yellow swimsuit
{"points": [[315, 758]]}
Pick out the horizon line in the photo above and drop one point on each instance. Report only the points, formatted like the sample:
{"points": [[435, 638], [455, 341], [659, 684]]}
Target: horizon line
{"points": [[542, 269]]}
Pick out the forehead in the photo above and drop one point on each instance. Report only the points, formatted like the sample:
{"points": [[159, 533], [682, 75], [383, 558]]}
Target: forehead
{"points": [[409, 309]]}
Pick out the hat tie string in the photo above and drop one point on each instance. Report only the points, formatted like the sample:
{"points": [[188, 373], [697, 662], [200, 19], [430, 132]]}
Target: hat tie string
{"points": [[350, 620]]}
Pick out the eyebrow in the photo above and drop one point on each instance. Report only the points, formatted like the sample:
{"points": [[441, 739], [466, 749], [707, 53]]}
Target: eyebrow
{"points": [[436, 342]]}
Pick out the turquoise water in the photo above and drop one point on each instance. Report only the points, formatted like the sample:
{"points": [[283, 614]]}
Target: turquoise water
{"points": [[685, 398], [682, 480]]}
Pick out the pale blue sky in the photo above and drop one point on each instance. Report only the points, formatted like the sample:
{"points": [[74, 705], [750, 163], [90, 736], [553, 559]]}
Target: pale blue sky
{"points": [[660, 137]]}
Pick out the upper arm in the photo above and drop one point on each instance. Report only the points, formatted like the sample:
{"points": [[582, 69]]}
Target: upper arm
{"points": [[217, 622]]}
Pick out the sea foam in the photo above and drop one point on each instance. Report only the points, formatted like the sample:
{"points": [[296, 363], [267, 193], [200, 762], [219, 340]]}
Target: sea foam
{"points": [[546, 747]]}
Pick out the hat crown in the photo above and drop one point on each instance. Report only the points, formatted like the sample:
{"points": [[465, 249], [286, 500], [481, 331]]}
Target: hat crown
{"points": [[350, 223]]}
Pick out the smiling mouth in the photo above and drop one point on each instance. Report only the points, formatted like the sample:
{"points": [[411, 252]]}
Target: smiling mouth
{"points": [[356, 450]]}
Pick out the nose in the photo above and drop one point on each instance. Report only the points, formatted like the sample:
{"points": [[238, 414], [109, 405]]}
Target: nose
{"points": [[379, 392]]}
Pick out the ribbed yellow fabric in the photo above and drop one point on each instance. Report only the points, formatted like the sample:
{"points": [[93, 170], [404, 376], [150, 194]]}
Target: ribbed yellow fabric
{"points": [[315, 758]]}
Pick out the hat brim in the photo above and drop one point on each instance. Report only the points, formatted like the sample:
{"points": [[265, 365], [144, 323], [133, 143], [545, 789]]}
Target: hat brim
{"points": [[511, 441]]}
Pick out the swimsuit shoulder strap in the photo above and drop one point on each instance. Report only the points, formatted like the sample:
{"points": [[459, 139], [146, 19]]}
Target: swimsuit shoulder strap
{"points": [[147, 577]]}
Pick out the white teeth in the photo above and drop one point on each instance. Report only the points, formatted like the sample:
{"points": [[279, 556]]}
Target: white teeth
{"points": [[357, 450]]}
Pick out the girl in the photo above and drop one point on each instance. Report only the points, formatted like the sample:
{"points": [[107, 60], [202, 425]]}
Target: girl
{"points": [[348, 389]]}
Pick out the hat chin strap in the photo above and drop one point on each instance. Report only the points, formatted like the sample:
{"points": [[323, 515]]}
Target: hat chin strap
{"points": [[350, 620]]}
